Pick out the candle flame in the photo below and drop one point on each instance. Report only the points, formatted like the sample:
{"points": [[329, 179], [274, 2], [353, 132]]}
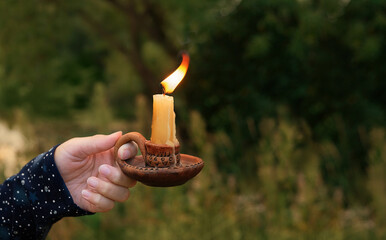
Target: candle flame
{"points": [[170, 83]]}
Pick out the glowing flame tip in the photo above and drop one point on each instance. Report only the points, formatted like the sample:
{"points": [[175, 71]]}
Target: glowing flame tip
{"points": [[171, 82]]}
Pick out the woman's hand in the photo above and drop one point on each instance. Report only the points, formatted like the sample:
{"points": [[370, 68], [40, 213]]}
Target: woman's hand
{"points": [[89, 170]]}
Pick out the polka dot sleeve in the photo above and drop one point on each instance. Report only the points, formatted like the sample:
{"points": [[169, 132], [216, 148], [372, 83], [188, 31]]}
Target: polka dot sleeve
{"points": [[34, 199]]}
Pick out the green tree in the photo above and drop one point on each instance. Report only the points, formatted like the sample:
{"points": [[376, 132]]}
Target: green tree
{"points": [[322, 59]]}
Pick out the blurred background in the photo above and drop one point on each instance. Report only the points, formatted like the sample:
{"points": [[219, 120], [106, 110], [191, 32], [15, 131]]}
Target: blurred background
{"points": [[284, 100]]}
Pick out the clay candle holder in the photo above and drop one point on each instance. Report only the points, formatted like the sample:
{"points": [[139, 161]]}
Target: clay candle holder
{"points": [[160, 165]]}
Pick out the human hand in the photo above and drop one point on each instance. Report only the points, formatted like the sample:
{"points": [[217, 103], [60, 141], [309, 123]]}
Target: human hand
{"points": [[89, 170]]}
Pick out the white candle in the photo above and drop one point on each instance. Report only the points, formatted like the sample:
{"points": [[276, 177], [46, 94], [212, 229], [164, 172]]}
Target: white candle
{"points": [[163, 128]]}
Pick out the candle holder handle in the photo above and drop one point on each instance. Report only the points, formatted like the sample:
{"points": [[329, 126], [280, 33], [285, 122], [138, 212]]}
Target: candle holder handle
{"points": [[138, 138]]}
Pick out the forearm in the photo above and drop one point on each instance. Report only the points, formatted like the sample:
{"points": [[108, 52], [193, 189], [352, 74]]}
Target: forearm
{"points": [[34, 199]]}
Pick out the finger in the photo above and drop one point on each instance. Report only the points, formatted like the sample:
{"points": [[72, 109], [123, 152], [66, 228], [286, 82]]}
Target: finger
{"points": [[108, 189], [128, 150], [116, 176], [98, 202], [85, 146]]}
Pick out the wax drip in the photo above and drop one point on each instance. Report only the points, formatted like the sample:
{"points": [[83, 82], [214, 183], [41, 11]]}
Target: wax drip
{"points": [[174, 156]]}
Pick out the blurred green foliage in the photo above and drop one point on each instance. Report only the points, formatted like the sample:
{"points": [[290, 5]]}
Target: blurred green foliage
{"points": [[323, 60], [284, 100]]}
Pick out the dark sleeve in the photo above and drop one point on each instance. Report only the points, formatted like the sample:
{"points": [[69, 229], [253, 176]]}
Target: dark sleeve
{"points": [[34, 199]]}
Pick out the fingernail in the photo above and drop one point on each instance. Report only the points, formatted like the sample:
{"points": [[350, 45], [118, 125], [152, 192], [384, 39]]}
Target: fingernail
{"points": [[86, 194], [104, 170], [115, 133], [124, 153], [92, 182]]}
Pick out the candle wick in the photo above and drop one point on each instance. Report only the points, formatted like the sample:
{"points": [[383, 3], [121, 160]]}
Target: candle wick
{"points": [[162, 89]]}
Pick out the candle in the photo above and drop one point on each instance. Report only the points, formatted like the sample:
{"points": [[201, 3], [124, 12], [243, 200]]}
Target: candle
{"points": [[163, 128]]}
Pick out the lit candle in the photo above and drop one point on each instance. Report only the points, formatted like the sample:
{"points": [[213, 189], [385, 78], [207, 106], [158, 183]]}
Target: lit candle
{"points": [[163, 128]]}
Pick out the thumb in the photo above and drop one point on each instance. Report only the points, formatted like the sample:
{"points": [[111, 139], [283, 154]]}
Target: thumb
{"points": [[85, 146]]}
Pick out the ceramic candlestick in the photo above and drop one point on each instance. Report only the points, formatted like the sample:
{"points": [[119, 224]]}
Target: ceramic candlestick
{"points": [[160, 165]]}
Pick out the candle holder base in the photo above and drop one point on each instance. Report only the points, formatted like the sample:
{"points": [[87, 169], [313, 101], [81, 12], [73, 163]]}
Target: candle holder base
{"points": [[135, 168], [156, 166]]}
